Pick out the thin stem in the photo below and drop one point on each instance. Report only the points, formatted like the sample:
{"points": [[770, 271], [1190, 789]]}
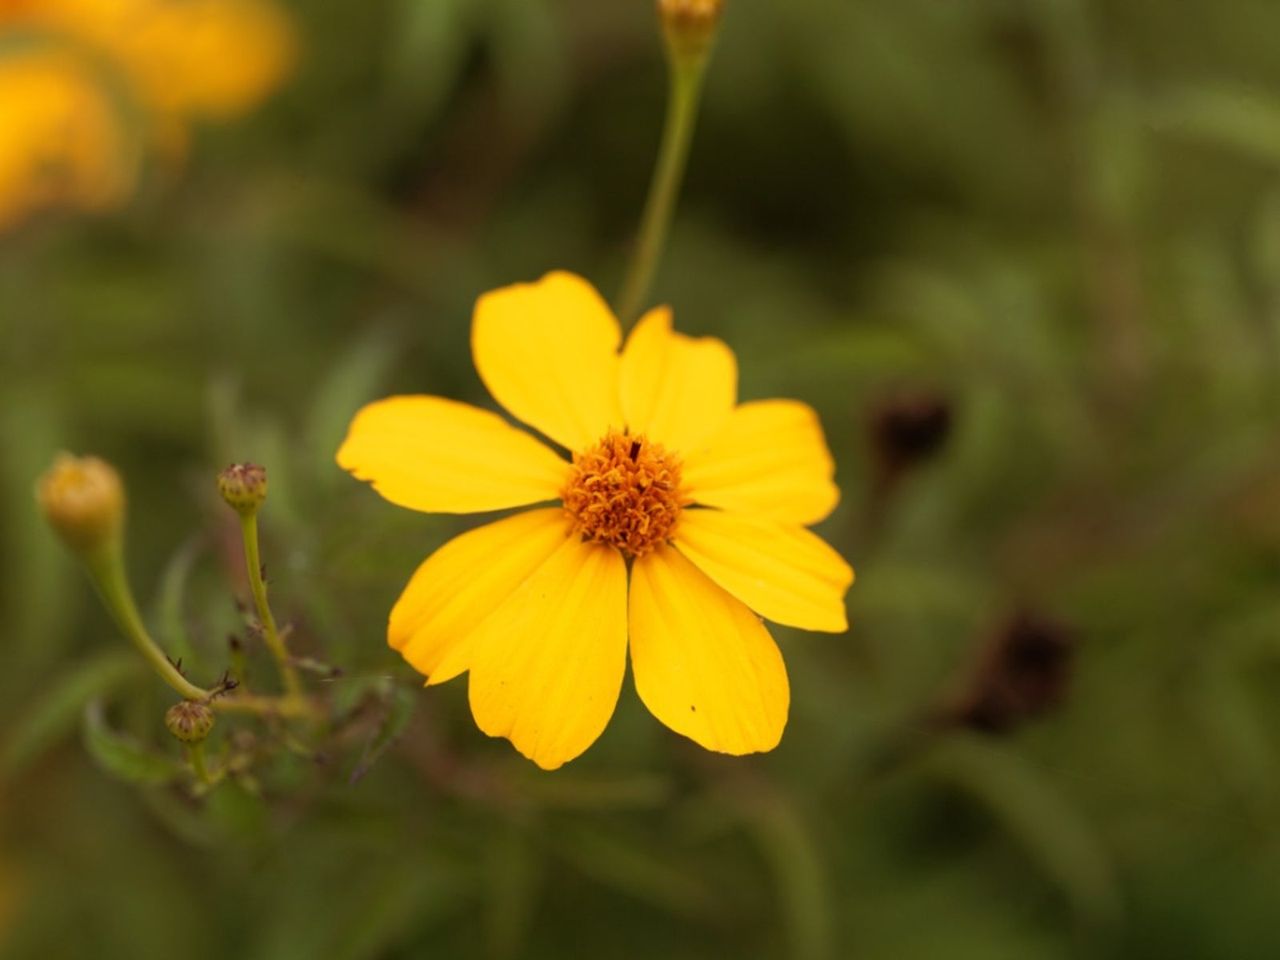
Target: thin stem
{"points": [[288, 706], [106, 569], [195, 754], [683, 99], [271, 635]]}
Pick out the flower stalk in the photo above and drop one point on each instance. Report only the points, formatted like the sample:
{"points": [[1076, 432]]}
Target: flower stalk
{"points": [[195, 755], [105, 565], [270, 632], [689, 28], [244, 488]]}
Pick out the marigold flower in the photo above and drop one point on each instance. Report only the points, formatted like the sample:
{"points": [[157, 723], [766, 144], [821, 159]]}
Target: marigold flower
{"points": [[706, 500]]}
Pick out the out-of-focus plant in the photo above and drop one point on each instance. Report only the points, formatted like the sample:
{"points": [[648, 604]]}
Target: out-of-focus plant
{"points": [[90, 90]]}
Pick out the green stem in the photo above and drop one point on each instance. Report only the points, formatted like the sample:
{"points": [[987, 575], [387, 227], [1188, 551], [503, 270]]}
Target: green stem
{"points": [[288, 706], [195, 753], [106, 569], [683, 99], [270, 634]]}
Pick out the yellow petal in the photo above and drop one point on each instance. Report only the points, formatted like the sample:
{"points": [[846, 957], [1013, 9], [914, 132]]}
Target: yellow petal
{"points": [[782, 572], [771, 460], [547, 351], [547, 665], [704, 664], [437, 455], [676, 390], [458, 586]]}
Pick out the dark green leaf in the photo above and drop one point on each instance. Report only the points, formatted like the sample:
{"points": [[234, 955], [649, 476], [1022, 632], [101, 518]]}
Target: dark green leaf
{"points": [[121, 755]]}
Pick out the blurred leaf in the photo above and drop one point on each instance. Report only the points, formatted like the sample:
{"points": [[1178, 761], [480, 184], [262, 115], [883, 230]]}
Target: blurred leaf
{"points": [[57, 710], [353, 382], [1063, 845], [121, 755], [800, 882], [170, 603], [39, 577], [637, 870], [569, 791], [1244, 120], [513, 871], [383, 897], [427, 54], [530, 56]]}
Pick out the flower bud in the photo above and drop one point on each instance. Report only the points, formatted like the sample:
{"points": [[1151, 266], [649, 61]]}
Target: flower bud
{"points": [[910, 430], [83, 500], [244, 487], [190, 721], [690, 25], [1022, 672]]}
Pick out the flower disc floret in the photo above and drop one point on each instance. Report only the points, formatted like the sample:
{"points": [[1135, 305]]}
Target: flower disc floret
{"points": [[625, 492]]}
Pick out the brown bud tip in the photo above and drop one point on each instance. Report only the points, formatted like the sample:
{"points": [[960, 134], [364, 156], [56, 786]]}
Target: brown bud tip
{"points": [[83, 500], [243, 486], [910, 430], [690, 25], [1022, 672], [189, 721]]}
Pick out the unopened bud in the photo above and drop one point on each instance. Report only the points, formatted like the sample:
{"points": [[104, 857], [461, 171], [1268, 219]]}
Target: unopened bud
{"points": [[189, 721], [83, 500], [690, 25], [1022, 672], [910, 429], [243, 486]]}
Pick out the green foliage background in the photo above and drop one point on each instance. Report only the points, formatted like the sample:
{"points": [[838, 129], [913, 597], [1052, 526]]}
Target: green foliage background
{"points": [[1063, 215]]}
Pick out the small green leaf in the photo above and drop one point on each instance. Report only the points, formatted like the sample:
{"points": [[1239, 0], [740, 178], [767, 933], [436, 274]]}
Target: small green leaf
{"points": [[122, 756], [54, 713]]}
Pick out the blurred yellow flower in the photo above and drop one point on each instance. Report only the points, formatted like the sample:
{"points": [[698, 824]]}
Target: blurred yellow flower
{"points": [[91, 78], [706, 500], [61, 143]]}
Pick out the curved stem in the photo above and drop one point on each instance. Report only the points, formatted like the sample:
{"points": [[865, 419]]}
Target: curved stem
{"points": [[684, 97], [106, 570], [270, 634]]}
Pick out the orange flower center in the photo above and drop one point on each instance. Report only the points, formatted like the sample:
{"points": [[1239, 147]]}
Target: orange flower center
{"points": [[624, 491]]}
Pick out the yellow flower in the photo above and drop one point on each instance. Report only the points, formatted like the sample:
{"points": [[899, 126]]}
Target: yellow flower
{"points": [[87, 72], [61, 143], [184, 58], [706, 501]]}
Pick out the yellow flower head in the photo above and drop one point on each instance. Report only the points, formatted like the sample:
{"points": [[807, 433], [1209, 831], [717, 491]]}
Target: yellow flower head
{"points": [[64, 137], [706, 500], [83, 499], [61, 142]]}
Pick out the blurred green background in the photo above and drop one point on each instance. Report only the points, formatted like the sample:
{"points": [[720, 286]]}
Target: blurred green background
{"points": [[1054, 225]]}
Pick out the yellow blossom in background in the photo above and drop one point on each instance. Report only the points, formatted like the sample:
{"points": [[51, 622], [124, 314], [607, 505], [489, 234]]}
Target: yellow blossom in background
{"points": [[184, 58], [61, 142], [701, 502], [95, 80]]}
